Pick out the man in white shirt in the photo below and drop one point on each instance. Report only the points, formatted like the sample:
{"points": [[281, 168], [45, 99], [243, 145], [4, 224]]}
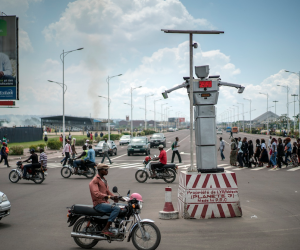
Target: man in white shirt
{"points": [[67, 151], [175, 150], [240, 152], [5, 67], [105, 149], [221, 148]]}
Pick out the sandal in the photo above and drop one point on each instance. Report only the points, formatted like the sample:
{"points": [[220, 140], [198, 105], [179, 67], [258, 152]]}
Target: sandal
{"points": [[107, 233]]}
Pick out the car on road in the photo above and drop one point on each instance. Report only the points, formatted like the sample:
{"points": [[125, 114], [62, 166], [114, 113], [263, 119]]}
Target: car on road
{"points": [[171, 130], [138, 144], [219, 131], [157, 139], [125, 139], [4, 205], [113, 148]]}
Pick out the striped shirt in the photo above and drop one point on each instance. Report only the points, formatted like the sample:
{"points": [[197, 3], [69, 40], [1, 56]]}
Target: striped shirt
{"points": [[43, 158], [105, 147]]}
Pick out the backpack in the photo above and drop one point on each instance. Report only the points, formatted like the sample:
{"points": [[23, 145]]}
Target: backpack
{"points": [[173, 145]]}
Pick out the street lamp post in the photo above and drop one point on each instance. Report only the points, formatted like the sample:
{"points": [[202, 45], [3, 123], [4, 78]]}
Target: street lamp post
{"points": [[238, 116], [146, 110], [294, 95], [298, 74], [108, 103], [243, 116], [62, 58], [250, 114], [131, 127], [287, 104], [162, 113], [155, 113], [267, 110], [275, 112]]}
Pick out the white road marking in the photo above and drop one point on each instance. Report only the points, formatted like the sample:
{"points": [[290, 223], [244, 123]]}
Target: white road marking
{"points": [[227, 167], [258, 168], [294, 169], [222, 165], [118, 156]]}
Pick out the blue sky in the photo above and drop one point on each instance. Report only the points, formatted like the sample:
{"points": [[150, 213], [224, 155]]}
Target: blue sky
{"points": [[123, 36]]}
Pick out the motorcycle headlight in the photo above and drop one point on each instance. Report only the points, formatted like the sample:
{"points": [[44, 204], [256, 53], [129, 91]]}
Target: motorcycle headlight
{"points": [[140, 204], [4, 198]]}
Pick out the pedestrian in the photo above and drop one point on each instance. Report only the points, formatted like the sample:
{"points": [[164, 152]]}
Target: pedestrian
{"points": [[91, 136], [270, 143], [96, 134], [175, 150], [298, 152], [288, 150], [233, 152], [43, 159], [245, 152], [257, 152], [88, 134], [101, 134], [231, 134], [87, 142], [61, 138], [105, 149], [221, 148], [294, 157], [5, 139], [274, 153], [67, 151], [70, 137], [4, 154], [251, 153], [280, 152], [73, 148], [240, 153], [46, 139], [264, 158]]}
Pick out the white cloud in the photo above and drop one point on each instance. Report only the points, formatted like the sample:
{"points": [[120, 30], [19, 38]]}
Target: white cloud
{"points": [[24, 41]]}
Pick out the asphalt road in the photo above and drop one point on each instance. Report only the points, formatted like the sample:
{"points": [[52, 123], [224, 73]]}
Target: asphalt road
{"points": [[269, 199]]}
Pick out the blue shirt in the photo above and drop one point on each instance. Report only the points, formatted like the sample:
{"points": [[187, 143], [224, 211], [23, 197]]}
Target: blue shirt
{"points": [[289, 147], [91, 155]]}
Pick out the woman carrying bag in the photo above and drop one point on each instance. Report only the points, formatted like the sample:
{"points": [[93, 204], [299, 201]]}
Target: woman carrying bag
{"points": [[233, 152], [264, 158]]}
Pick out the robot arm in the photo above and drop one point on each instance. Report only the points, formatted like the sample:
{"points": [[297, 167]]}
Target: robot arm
{"points": [[183, 85], [239, 87]]}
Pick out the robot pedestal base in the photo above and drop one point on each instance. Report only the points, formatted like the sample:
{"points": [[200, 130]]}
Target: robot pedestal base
{"points": [[208, 195]]}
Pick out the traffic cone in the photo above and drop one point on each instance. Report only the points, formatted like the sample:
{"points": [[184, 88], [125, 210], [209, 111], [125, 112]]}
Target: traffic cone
{"points": [[168, 211]]}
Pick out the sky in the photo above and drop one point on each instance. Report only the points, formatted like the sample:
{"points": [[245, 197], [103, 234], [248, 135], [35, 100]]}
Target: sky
{"points": [[260, 42]]}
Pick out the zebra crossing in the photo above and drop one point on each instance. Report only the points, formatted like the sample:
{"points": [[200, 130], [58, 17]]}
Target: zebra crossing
{"points": [[182, 166]]}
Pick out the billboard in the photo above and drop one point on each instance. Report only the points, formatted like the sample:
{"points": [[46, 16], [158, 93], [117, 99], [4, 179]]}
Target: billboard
{"points": [[181, 119], [172, 119], [9, 59]]}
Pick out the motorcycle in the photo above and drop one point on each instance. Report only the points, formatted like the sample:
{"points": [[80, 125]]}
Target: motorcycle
{"points": [[88, 224], [37, 175], [68, 170], [167, 172]]}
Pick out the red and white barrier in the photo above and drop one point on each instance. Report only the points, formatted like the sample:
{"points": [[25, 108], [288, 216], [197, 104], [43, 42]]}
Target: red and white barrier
{"points": [[204, 196], [168, 211]]}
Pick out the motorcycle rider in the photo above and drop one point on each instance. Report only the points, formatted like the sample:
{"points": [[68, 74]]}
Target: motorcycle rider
{"points": [[162, 158], [100, 195], [34, 163], [82, 156], [90, 156]]}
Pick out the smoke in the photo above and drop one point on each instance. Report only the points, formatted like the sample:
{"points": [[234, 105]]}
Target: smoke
{"points": [[20, 120]]}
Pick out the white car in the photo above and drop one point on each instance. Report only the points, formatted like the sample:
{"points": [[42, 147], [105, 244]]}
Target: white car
{"points": [[219, 132], [170, 130], [4, 205], [125, 139]]}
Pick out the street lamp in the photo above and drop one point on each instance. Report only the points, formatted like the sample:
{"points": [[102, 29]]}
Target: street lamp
{"points": [[294, 95], [287, 104], [238, 116], [146, 110], [132, 107], [155, 113], [62, 58], [267, 110], [298, 74], [250, 114], [162, 113], [243, 116], [108, 103]]}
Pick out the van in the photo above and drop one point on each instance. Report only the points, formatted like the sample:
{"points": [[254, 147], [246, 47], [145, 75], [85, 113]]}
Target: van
{"points": [[235, 130]]}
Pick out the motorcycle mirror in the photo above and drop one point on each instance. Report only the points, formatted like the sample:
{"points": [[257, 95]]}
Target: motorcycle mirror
{"points": [[128, 193], [115, 189]]}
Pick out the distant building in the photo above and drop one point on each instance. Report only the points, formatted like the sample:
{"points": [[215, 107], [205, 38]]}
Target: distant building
{"points": [[137, 123]]}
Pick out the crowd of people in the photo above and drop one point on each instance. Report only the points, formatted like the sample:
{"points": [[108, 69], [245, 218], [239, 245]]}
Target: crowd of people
{"points": [[274, 154]]}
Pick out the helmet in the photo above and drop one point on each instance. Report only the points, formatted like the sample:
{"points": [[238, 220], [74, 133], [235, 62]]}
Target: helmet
{"points": [[147, 158], [32, 150], [136, 196]]}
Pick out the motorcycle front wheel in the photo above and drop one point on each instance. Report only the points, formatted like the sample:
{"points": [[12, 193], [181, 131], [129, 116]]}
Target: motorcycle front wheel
{"points": [[152, 236], [91, 173], [171, 176], [14, 176], [39, 178], [141, 176], [81, 227], [65, 172]]}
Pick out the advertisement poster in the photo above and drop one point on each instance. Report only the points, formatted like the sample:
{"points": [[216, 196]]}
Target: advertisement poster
{"points": [[9, 58]]}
